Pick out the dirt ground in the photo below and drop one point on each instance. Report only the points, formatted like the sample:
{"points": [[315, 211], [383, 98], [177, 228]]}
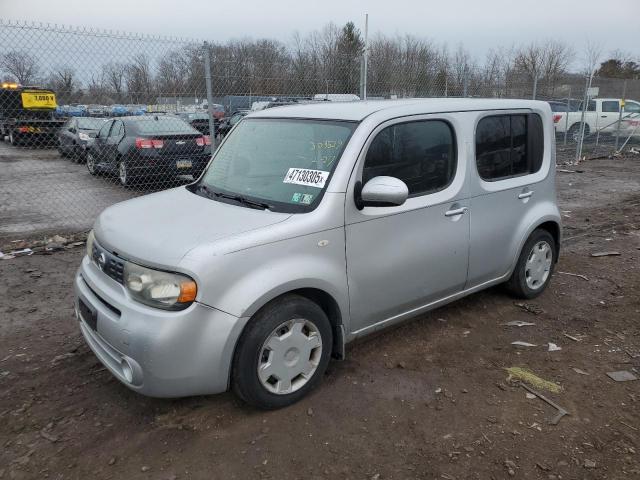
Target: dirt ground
{"points": [[427, 400]]}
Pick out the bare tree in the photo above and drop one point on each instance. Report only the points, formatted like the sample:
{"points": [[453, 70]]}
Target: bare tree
{"points": [[63, 81], [113, 74], [20, 65]]}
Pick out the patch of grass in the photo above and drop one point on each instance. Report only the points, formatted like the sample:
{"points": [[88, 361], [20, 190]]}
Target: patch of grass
{"points": [[532, 379]]}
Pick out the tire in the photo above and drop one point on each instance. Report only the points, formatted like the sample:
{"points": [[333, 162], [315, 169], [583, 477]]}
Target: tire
{"points": [[92, 164], [294, 323], [14, 139], [535, 266], [574, 132], [126, 180], [61, 151]]}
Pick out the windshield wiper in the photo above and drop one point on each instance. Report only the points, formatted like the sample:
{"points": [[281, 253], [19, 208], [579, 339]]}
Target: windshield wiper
{"points": [[210, 193], [243, 200]]}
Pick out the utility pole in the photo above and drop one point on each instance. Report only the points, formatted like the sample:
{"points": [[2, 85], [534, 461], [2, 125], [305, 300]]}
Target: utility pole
{"points": [[366, 56], [622, 102], [207, 78]]}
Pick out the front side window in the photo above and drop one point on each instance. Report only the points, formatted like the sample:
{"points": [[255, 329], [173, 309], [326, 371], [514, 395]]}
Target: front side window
{"points": [[422, 154], [509, 146], [632, 107], [610, 106], [283, 163], [117, 130]]}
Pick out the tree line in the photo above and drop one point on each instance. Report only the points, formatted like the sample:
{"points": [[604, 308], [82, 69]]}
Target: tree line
{"points": [[323, 61]]}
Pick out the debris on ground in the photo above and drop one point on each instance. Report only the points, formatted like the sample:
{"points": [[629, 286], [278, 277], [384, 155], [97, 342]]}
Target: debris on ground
{"points": [[531, 378], [520, 343], [561, 411], [580, 372], [518, 323], [584, 277], [553, 347], [611, 253], [571, 337], [531, 308], [589, 464], [622, 376]]}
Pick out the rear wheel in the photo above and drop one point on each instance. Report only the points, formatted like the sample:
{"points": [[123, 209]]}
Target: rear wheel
{"points": [[92, 164], [283, 353], [124, 174], [535, 266], [14, 138], [574, 131]]}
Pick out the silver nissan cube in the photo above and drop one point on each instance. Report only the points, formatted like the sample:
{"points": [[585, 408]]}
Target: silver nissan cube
{"points": [[314, 225]]}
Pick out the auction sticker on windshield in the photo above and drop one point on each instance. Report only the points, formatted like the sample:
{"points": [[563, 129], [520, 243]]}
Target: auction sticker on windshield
{"points": [[309, 178]]}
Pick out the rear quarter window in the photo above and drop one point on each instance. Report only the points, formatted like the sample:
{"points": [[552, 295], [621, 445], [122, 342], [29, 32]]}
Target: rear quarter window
{"points": [[509, 146]]}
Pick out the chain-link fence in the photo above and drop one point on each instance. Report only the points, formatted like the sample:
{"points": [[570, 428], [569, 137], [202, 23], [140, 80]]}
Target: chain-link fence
{"points": [[89, 117]]}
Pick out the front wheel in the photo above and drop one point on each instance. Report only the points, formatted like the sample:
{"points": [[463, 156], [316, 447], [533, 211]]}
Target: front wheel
{"points": [[283, 353], [535, 266]]}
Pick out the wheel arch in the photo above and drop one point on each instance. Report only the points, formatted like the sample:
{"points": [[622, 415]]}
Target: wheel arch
{"points": [[325, 301], [553, 228]]}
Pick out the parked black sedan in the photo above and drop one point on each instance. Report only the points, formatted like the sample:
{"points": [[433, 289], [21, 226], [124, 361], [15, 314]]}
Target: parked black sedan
{"points": [[153, 148], [74, 136]]}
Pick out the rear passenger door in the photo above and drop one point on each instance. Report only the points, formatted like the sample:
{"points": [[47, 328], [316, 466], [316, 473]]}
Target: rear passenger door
{"points": [[101, 140], [402, 258], [509, 149], [110, 148], [610, 111]]}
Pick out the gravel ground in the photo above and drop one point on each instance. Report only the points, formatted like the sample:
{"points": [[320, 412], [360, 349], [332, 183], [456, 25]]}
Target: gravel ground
{"points": [[427, 400]]}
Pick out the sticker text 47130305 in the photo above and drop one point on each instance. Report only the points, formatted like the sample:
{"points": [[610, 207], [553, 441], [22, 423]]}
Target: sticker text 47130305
{"points": [[307, 177]]}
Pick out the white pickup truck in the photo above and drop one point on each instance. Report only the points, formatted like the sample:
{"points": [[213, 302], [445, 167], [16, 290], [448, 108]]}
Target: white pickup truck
{"points": [[602, 115]]}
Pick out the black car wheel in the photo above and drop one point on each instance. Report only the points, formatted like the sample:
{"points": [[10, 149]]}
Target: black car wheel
{"points": [[283, 353], [92, 164], [14, 139], [124, 175], [535, 266]]}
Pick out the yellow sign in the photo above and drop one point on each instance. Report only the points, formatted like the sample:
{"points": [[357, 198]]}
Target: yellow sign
{"points": [[38, 100]]}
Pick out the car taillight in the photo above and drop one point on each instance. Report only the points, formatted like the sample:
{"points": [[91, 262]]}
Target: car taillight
{"points": [[556, 118], [202, 141], [149, 143], [23, 129]]}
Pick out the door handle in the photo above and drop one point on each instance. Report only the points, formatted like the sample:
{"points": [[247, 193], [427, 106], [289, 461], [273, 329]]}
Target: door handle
{"points": [[455, 211], [603, 116], [525, 194]]}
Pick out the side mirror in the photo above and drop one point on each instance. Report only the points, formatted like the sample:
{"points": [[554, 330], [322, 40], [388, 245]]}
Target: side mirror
{"points": [[72, 130], [381, 192]]}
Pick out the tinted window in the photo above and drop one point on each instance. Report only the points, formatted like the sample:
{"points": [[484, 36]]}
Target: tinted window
{"points": [[421, 154], [631, 107], [117, 130], [88, 123], [163, 125], [508, 146], [104, 131], [610, 106]]}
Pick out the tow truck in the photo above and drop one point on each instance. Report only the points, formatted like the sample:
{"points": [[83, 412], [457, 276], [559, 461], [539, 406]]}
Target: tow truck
{"points": [[27, 114]]}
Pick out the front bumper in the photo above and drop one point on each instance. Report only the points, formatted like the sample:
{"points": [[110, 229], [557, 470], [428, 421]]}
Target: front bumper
{"points": [[156, 352]]}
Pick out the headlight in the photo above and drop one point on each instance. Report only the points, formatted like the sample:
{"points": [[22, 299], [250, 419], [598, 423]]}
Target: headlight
{"points": [[170, 291], [83, 136], [90, 239]]}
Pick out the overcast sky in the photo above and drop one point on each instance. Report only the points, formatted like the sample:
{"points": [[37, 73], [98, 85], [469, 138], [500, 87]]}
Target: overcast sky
{"points": [[478, 24]]}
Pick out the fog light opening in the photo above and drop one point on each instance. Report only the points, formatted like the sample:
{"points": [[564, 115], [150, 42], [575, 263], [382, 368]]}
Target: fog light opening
{"points": [[127, 371]]}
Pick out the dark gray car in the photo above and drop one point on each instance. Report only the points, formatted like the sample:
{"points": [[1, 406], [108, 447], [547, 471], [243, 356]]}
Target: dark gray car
{"points": [[76, 134]]}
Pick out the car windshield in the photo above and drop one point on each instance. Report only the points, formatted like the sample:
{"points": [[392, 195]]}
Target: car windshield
{"points": [[162, 126], [90, 123], [198, 116], [282, 163]]}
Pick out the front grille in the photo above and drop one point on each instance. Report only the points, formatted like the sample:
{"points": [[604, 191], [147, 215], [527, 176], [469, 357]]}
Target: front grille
{"points": [[108, 263]]}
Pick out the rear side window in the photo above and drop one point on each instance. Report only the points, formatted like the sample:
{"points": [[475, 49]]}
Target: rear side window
{"points": [[610, 106], [509, 146], [422, 154]]}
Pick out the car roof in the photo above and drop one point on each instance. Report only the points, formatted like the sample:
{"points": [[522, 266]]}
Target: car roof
{"points": [[358, 110]]}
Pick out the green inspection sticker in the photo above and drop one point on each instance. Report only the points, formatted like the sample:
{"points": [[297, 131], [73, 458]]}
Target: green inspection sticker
{"points": [[296, 197], [307, 198]]}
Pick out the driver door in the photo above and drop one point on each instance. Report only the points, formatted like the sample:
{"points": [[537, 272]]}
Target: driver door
{"points": [[402, 258]]}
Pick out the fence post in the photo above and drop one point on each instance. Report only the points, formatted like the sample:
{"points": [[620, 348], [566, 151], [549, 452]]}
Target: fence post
{"points": [[535, 86], [207, 78], [465, 82], [585, 106], [624, 93], [566, 117], [366, 56]]}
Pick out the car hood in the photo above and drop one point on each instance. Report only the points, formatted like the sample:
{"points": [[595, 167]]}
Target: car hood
{"points": [[159, 229]]}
